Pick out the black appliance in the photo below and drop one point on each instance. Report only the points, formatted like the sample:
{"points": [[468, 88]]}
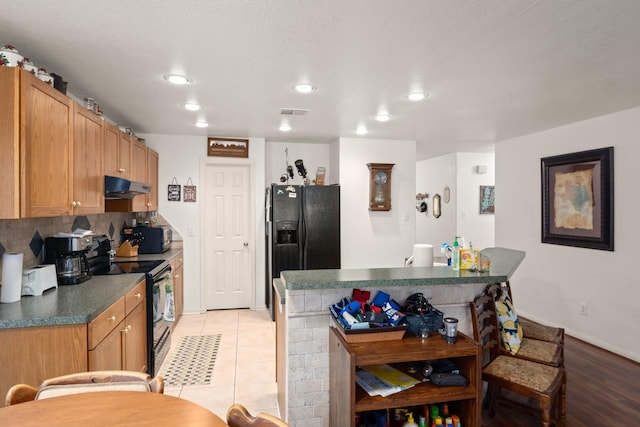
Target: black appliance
{"points": [[69, 256], [150, 240], [156, 273], [302, 231]]}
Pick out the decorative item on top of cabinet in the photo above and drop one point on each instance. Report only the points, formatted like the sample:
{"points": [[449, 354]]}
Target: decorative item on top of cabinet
{"points": [[173, 191], [380, 186], [190, 191]]}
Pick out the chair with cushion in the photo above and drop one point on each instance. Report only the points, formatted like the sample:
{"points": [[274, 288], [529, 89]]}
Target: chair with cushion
{"points": [[239, 416], [537, 330], [514, 340], [533, 382], [86, 382]]}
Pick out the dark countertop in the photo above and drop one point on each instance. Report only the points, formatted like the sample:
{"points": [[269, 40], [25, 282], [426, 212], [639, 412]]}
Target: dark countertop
{"points": [[504, 263], [74, 304]]}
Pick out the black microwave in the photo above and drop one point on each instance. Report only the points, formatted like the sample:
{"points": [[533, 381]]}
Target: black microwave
{"points": [[153, 240]]}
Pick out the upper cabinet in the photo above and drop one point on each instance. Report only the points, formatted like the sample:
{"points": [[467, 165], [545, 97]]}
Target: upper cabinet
{"points": [[36, 146], [55, 153], [117, 152], [145, 167], [88, 175]]}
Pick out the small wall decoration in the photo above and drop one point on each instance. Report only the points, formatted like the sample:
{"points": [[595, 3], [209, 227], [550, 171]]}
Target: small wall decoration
{"points": [[189, 191], [227, 147], [577, 199], [436, 210], [174, 191], [487, 199]]}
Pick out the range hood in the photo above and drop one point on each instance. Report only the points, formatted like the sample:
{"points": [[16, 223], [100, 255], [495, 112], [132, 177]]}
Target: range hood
{"points": [[120, 188]]}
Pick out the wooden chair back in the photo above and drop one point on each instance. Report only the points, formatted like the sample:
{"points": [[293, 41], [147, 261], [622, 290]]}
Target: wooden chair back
{"points": [[239, 416], [485, 324], [85, 382]]}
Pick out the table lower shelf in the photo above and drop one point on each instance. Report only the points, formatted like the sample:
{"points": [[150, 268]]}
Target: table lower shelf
{"points": [[424, 393]]}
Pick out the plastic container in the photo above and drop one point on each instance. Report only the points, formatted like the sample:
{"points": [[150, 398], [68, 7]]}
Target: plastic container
{"points": [[410, 422]]}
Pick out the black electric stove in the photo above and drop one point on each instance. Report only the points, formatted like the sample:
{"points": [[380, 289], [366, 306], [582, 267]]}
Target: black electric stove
{"points": [[125, 267], [157, 273]]}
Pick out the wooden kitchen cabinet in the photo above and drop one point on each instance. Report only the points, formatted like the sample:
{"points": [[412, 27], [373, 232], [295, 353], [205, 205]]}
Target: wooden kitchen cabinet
{"points": [[347, 398], [146, 163], [88, 153], [31, 355], [117, 152], [177, 271], [50, 151], [152, 179], [117, 337]]}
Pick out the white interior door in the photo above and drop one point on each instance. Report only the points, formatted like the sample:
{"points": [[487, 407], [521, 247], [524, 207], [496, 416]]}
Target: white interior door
{"points": [[228, 241]]}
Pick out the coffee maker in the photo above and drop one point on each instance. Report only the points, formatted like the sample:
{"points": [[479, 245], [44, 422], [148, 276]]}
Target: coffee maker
{"points": [[69, 254]]}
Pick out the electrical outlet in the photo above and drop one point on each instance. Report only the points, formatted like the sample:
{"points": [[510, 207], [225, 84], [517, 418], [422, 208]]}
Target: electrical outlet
{"points": [[583, 308]]}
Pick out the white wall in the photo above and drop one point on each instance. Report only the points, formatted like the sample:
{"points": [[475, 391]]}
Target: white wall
{"points": [[312, 154], [431, 177], [554, 280], [476, 228], [461, 216], [371, 239], [180, 156]]}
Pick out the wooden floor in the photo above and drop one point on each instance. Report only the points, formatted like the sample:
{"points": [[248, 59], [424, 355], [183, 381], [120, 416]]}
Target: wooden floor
{"points": [[603, 389]]}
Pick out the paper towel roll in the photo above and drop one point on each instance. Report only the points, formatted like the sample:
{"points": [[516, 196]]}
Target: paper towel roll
{"points": [[422, 255], [11, 277]]}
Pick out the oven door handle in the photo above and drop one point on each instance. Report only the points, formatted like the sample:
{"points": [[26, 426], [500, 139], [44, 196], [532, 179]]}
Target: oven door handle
{"points": [[162, 275]]}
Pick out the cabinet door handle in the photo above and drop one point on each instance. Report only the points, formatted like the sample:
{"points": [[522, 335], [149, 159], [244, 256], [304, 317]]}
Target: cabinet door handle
{"points": [[112, 318], [127, 329], [74, 203], [77, 203], [138, 295], [176, 276], [121, 170]]}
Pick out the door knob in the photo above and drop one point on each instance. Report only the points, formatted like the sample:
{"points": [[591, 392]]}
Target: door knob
{"points": [[246, 244]]}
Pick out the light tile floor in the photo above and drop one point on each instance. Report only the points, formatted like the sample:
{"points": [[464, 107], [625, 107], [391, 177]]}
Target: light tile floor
{"points": [[245, 367]]}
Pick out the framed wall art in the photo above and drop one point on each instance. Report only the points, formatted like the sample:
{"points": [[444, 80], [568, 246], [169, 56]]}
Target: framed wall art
{"points": [[227, 147], [577, 199], [487, 199]]}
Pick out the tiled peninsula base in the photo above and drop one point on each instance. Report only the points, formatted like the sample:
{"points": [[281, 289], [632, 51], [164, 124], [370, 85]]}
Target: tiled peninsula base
{"points": [[302, 354]]}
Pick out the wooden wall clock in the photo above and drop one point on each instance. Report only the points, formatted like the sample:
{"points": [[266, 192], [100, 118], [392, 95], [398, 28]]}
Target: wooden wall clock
{"points": [[380, 186]]}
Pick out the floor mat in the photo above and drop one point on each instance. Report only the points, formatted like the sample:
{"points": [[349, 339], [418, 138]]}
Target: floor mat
{"points": [[192, 362]]}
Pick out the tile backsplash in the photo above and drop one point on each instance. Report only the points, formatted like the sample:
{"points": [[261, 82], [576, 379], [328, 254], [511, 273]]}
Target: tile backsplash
{"points": [[27, 235]]}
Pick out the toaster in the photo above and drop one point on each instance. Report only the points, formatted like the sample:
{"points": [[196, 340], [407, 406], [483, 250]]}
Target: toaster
{"points": [[36, 280]]}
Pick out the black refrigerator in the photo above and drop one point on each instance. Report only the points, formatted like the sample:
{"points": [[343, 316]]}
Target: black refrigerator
{"points": [[302, 231]]}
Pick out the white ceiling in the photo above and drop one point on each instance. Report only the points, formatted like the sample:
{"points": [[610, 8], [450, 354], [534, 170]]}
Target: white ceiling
{"points": [[496, 69]]}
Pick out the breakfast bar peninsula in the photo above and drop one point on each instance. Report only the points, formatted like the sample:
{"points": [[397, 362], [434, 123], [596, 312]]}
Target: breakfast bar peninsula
{"points": [[303, 319]]}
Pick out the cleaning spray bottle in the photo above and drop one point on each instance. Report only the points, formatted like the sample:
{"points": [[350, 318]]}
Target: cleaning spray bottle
{"points": [[455, 255], [410, 422]]}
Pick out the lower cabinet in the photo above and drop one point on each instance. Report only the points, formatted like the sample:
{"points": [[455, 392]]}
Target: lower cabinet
{"points": [[117, 337], [347, 398]]}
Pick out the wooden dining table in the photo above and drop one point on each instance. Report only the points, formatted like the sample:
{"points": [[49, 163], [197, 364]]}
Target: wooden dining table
{"points": [[109, 408]]}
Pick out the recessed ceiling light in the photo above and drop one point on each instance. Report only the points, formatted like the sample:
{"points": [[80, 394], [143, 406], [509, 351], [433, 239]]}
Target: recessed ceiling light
{"points": [[285, 127], [304, 88], [191, 106], [361, 130], [418, 96], [177, 79], [202, 124], [383, 117]]}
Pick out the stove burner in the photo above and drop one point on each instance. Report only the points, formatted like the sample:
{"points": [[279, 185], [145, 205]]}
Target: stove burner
{"points": [[126, 267]]}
